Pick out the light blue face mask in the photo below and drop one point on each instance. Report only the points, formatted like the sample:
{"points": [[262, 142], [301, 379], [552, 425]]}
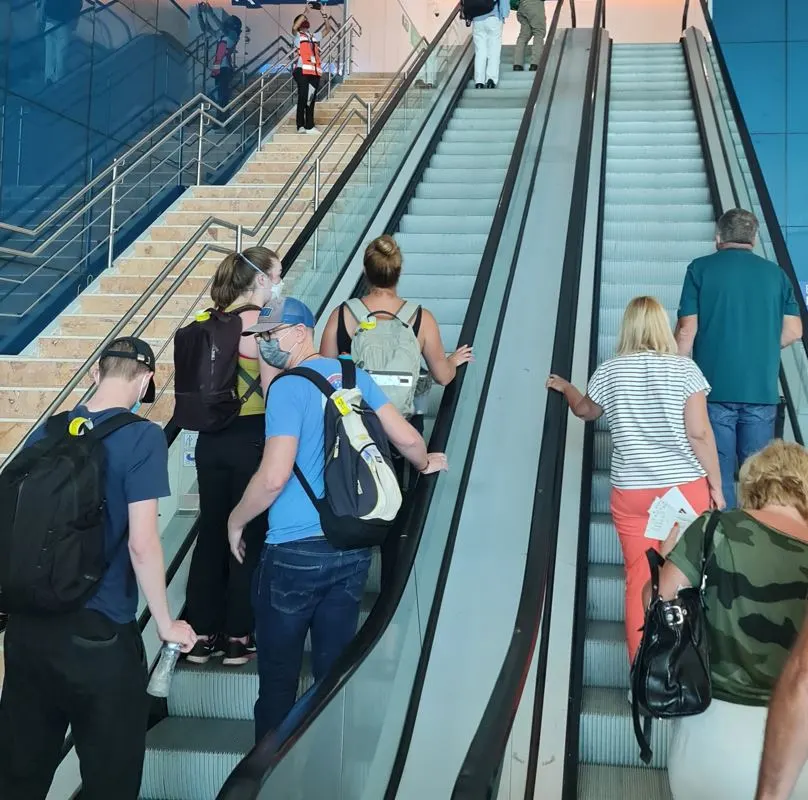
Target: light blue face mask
{"points": [[136, 407], [272, 353]]}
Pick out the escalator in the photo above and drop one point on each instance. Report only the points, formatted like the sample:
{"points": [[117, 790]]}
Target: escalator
{"points": [[206, 727], [671, 152]]}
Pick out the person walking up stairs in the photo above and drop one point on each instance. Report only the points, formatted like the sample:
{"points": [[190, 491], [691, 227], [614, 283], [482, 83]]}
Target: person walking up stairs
{"points": [[533, 22]]}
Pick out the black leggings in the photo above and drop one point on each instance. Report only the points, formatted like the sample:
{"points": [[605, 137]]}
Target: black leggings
{"points": [[305, 98], [218, 596]]}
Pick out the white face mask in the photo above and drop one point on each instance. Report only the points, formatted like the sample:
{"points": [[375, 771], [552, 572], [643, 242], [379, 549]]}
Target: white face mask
{"points": [[277, 290]]}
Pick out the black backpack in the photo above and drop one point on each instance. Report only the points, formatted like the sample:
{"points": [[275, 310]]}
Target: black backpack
{"points": [[362, 495], [52, 527], [471, 9], [206, 371]]}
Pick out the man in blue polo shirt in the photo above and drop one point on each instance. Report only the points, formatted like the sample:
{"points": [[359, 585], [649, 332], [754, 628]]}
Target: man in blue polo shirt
{"points": [[87, 669], [303, 583], [736, 312]]}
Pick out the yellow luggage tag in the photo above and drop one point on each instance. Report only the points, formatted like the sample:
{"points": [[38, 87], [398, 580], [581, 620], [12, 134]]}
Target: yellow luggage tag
{"points": [[368, 324], [342, 406], [202, 316], [76, 425]]}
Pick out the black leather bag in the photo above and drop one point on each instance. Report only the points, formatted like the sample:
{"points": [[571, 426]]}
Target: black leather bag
{"points": [[670, 676]]}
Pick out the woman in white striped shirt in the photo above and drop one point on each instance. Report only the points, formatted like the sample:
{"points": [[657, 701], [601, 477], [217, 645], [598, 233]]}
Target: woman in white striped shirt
{"points": [[655, 403]]}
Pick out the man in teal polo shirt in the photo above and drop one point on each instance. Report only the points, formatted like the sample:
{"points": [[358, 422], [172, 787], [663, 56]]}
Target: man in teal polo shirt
{"points": [[736, 312]]}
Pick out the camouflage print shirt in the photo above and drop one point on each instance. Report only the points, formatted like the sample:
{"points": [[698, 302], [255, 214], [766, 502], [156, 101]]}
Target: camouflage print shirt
{"points": [[755, 592]]}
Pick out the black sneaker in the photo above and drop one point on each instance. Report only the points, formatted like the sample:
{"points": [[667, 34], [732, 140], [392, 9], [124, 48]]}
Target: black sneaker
{"points": [[236, 654], [479, 86], [534, 67], [518, 68], [251, 646], [205, 649], [490, 84]]}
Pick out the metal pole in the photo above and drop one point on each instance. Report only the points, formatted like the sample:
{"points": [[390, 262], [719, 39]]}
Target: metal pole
{"points": [[19, 146], [238, 238], [369, 118], [182, 154], [316, 206], [201, 134], [349, 54], [112, 200], [261, 113]]}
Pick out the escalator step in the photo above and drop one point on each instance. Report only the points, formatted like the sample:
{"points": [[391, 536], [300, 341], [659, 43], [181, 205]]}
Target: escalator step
{"points": [[607, 735], [605, 655], [604, 546], [606, 586], [602, 782], [444, 224]]}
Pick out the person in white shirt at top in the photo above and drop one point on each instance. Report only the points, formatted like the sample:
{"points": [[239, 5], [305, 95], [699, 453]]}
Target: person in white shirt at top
{"points": [[486, 31], [655, 403]]}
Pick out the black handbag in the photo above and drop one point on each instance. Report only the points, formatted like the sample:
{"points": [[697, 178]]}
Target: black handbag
{"points": [[670, 676]]}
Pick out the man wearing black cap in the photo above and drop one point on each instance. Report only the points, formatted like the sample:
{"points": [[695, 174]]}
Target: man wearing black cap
{"points": [[87, 669]]}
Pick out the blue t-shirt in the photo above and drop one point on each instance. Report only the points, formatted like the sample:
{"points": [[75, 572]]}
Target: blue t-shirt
{"points": [[137, 470], [295, 407]]}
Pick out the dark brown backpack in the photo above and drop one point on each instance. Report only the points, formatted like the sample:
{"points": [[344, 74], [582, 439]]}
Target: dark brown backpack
{"points": [[206, 371]]}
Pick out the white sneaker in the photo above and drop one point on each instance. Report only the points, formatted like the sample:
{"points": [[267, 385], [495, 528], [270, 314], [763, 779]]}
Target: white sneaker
{"points": [[301, 130], [313, 131]]}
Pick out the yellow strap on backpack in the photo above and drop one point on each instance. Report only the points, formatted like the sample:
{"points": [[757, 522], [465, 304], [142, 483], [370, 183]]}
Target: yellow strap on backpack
{"points": [[76, 425]]}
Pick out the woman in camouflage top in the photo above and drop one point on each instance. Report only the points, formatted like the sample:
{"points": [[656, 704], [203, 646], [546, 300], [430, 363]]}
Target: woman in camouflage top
{"points": [[756, 584]]}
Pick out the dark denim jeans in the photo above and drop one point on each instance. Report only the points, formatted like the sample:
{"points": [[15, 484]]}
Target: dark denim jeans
{"points": [[740, 429], [302, 586]]}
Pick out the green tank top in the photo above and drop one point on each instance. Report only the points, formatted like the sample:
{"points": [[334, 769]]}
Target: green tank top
{"points": [[248, 367], [755, 595]]}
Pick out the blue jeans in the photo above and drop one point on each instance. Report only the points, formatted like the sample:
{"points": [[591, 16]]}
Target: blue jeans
{"points": [[740, 429], [300, 586]]}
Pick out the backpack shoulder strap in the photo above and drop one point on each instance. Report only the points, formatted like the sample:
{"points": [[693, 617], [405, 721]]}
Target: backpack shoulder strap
{"points": [[348, 373], [115, 423], [312, 376], [358, 309], [57, 424], [408, 312]]}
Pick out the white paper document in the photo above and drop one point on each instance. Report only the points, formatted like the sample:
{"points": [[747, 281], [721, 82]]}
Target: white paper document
{"points": [[666, 512]]}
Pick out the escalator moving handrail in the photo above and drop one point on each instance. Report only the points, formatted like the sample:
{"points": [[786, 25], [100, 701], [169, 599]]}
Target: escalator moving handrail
{"points": [[769, 214], [484, 758], [328, 201]]}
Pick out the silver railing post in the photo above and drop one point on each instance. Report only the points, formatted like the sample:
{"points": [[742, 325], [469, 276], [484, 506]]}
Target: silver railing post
{"points": [[181, 155], [349, 54], [316, 206], [367, 135], [239, 235], [19, 145], [261, 113], [112, 200], [201, 134]]}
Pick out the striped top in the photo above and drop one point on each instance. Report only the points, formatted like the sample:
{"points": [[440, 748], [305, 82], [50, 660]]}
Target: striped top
{"points": [[643, 396]]}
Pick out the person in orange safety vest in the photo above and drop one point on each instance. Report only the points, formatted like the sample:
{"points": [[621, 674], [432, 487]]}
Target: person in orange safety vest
{"points": [[307, 71]]}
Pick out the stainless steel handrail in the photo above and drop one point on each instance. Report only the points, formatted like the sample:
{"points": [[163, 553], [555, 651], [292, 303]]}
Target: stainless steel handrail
{"points": [[198, 103], [168, 292]]}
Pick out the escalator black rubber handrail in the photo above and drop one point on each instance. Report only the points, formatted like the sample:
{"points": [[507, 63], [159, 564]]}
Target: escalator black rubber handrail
{"points": [[769, 214], [486, 268], [569, 789], [484, 758], [328, 201]]}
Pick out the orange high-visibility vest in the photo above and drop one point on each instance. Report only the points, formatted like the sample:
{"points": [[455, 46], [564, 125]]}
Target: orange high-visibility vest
{"points": [[310, 56]]}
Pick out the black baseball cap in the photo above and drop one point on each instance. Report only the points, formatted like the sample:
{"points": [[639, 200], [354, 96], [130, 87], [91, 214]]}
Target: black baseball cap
{"points": [[140, 352]]}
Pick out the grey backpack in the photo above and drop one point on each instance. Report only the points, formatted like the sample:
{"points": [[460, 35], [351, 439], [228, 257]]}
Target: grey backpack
{"points": [[386, 346]]}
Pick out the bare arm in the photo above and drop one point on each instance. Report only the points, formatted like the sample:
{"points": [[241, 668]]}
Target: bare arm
{"points": [[702, 440], [403, 436], [443, 368], [685, 333], [265, 486], [580, 404], [328, 343], [792, 331], [670, 579], [146, 554], [785, 749]]}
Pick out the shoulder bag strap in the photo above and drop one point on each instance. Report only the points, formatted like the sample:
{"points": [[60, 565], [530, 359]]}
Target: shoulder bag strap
{"points": [[348, 373], [253, 384], [57, 424], [310, 375], [707, 543], [359, 311], [105, 428]]}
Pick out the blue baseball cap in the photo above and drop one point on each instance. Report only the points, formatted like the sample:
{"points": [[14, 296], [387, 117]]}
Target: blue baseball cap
{"points": [[282, 312]]}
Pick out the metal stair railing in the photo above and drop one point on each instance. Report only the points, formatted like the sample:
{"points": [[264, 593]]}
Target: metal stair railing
{"points": [[179, 149], [308, 178]]}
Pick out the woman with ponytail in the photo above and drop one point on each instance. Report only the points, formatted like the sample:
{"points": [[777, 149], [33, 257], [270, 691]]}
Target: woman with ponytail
{"points": [[218, 596]]}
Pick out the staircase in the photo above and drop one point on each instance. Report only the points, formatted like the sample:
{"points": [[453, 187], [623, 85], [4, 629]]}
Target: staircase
{"points": [[658, 216], [30, 381]]}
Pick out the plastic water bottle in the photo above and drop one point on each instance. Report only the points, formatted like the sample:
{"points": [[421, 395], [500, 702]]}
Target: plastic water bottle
{"points": [[160, 682]]}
